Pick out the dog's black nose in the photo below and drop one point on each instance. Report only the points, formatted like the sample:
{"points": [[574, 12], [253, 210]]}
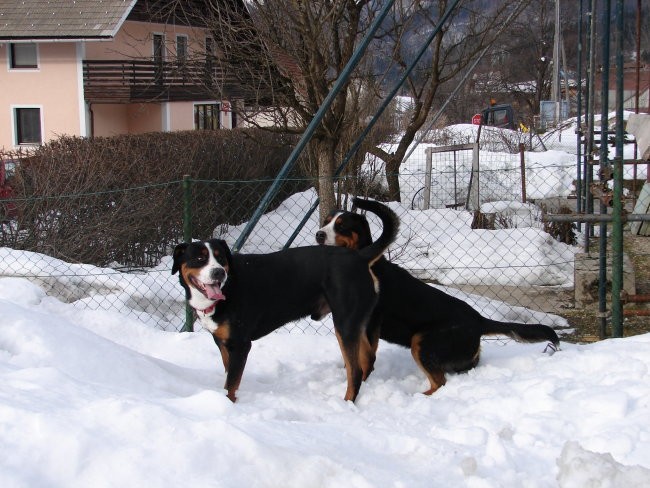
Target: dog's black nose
{"points": [[320, 237], [218, 274]]}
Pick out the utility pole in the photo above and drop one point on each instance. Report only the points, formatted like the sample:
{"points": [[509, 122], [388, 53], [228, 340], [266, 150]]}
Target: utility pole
{"points": [[557, 98]]}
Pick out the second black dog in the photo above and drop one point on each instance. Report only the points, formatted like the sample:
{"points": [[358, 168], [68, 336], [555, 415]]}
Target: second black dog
{"points": [[443, 332]]}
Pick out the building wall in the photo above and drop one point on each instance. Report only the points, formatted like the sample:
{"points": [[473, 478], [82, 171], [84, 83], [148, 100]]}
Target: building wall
{"points": [[135, 40], [144, 117], [56, 87], [135, 118], [53, 87], [109, 119], [181, 116]]}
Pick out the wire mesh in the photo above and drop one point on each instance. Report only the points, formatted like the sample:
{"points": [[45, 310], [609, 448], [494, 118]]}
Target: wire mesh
{"points": [[111, 250]]}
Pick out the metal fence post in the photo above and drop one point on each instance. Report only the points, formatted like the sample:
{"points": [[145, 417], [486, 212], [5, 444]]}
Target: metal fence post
{"points": [[617, 227], [187, 237], [473, 194], [522, 163], [427, 180]]}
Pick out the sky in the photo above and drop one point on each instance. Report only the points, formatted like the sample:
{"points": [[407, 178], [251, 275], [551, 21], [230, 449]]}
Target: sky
{"points": [[103, 396]]}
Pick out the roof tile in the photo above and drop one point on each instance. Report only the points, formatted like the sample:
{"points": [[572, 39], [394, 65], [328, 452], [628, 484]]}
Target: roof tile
{"points": [[62, 19]]}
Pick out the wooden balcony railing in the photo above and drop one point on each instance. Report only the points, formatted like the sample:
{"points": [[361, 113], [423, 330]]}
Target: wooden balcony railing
{"points": [[124, 81]]}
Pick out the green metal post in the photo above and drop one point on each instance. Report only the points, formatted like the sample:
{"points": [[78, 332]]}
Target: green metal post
{"points": [[187, 237], [604, 165], [617, 225], [590, 103], [579, 122]]}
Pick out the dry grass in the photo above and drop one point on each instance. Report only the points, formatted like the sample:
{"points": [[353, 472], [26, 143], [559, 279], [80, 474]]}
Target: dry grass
{"points": [[586, 322]]}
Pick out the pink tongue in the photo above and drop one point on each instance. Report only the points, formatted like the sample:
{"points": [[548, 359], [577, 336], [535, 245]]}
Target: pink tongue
{"points": [[214, 292]]}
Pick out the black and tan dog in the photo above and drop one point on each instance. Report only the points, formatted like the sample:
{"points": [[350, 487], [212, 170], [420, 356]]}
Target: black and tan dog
{"points": [[242, 297], [443, 332]]}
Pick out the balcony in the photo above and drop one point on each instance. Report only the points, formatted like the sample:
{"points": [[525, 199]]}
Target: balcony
{"points": [[127, 81]]}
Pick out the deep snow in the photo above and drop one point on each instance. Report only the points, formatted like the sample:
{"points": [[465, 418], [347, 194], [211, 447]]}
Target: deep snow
{"points": [[94, 398], [100, 396]]}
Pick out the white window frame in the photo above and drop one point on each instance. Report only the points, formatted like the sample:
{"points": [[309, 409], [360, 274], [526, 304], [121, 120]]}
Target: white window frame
{"points": [[207, 102], [14, 126], [23, 70]]}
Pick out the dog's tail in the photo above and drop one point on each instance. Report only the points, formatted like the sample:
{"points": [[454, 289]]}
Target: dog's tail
{"points": [[520, 332], [390, 224]]}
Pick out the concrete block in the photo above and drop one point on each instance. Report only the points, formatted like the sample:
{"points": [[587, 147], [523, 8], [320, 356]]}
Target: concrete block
{"points": [[642, 207], [586, 276]]}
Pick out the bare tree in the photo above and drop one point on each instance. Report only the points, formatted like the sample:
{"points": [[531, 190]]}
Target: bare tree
{"points": [[524, 62], [473, 27], [287, 55]]}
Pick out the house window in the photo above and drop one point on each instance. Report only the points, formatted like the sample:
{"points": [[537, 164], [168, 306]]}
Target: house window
{"points": [[158, 57], [206, 116], [28, 125], [23, 56], [181, 49], [209, 48], [209, 62]]}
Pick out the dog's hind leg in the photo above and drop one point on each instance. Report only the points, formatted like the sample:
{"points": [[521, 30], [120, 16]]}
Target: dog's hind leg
{"points": [[366, 357], [427, 362], [350, 349], [372, 338]]}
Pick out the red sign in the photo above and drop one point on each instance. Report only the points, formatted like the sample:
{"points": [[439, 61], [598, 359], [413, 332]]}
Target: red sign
{"points": [[476, 119], [225, 106]]}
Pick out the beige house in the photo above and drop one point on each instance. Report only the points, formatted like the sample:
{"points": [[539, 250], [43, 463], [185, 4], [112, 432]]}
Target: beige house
{"points": [[101, 68]]}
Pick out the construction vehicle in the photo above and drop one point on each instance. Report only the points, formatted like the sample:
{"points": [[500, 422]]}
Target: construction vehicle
{"points": [[501, 115]]}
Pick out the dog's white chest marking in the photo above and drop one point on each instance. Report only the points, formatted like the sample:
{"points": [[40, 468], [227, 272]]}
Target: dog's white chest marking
{"points": [[206, 321]]}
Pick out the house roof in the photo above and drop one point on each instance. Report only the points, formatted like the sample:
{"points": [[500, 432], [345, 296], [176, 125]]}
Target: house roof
{"points": [[62, 19]]}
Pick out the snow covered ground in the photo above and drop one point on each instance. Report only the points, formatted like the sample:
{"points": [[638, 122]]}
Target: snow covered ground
{"points": [[95, 398], [106, 396]]}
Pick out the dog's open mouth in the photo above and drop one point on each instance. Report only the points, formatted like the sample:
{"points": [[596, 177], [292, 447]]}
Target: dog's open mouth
{"points": [[211, 290]]}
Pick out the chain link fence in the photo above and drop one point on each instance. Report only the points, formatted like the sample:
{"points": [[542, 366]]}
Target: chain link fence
{"points": [[471, 223]]}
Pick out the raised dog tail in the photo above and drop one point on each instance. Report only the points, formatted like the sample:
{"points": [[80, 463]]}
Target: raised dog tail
{"points": [[390, 224], [521, 332]]}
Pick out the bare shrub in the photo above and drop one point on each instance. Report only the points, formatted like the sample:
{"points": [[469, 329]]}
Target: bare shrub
{"points": [[120, 199], [482, 220], [562, 231]]}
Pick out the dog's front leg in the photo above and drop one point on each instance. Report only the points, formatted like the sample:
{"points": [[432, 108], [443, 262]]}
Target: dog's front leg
{"points": [[225, 355], [237, 353]]}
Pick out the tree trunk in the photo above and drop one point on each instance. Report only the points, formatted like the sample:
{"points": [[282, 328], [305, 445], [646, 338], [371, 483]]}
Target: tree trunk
{"points": [[325, 152], [392, 177]]}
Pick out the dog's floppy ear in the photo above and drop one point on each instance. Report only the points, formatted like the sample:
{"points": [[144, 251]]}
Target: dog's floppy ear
{"points": [[221, 244], [179, 250]]}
